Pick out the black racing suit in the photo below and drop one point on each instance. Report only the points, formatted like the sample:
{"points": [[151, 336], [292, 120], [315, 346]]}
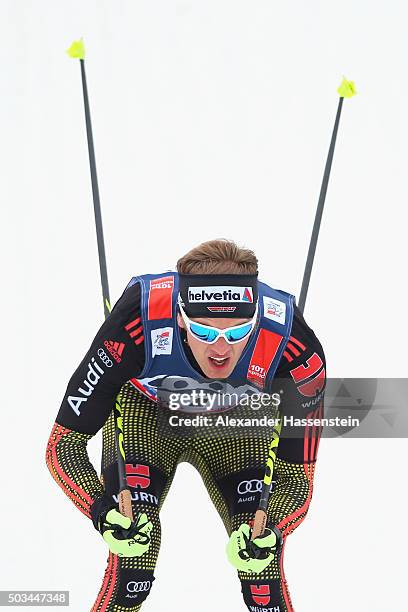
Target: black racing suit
{"points": [[232, 464]]}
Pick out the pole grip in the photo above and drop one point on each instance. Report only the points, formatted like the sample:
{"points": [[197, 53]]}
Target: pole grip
{"points": [[258, 528], [125, 504]]}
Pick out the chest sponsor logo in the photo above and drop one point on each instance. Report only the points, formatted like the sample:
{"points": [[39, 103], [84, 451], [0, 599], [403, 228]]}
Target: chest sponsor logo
{"points": [[166, 284], [274, 310], [162, 341], [220, 294], [160, 298], [93, 376]]}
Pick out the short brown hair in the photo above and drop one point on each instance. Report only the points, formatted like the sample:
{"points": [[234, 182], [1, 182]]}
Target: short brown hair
{"points": [[220, 256]]}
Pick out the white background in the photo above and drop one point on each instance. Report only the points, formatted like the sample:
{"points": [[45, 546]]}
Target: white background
{"points": [[211, 118]]}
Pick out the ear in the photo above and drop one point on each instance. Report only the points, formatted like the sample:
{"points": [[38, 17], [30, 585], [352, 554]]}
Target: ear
{"points": [[180, 321]]}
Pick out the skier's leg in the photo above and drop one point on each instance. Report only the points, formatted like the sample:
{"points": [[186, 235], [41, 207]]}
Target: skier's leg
{"points": [[151, 461], [123, 588], [232, 466], [267, 591], [128, 580]]}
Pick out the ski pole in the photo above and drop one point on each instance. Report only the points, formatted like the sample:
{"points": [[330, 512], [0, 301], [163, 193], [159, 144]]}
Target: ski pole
{"points": [[345, 90], [77, 50]]}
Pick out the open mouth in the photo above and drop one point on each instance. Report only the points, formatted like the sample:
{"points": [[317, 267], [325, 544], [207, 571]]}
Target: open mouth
{"points": [[218, 362]]}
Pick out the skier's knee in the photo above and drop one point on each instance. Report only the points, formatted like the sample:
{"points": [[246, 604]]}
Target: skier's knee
{"points": [[134, 587]]}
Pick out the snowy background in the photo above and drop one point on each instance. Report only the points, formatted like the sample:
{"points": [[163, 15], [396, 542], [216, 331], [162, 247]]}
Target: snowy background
{"points": [[211, 118]]}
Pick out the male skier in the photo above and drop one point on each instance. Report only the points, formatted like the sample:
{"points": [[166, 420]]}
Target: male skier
{"points": [[209, 328]]}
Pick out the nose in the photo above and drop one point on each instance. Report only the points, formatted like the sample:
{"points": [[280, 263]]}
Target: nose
{"points": [[221, 346]]}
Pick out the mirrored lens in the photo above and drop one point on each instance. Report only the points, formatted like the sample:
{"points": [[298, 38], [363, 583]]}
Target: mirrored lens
{"points": [[203, 333], [234, 335]]}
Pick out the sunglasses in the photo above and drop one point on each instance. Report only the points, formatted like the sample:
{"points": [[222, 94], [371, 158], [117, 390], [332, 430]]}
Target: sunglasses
{"points": [[209, 335]]}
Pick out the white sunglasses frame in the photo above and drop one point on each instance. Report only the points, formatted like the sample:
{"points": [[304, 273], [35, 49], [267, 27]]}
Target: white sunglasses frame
{"points": [[221, 332]]}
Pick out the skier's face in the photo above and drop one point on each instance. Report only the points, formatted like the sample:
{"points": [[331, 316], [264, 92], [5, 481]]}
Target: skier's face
{"points": [[216, 360]]}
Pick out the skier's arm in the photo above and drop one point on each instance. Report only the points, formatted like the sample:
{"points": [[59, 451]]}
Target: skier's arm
{"points": [[116, 355], [67, 460], [301, 376]]}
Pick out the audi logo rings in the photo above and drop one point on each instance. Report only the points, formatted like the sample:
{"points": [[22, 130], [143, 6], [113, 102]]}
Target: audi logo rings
{"points": [[104, 358], [139, 587], [249, 486]]}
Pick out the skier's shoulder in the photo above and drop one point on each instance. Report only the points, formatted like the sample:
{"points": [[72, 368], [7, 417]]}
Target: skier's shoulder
{"points": [[301, 328], [128, 303], [124, 323], [303, 343]]}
